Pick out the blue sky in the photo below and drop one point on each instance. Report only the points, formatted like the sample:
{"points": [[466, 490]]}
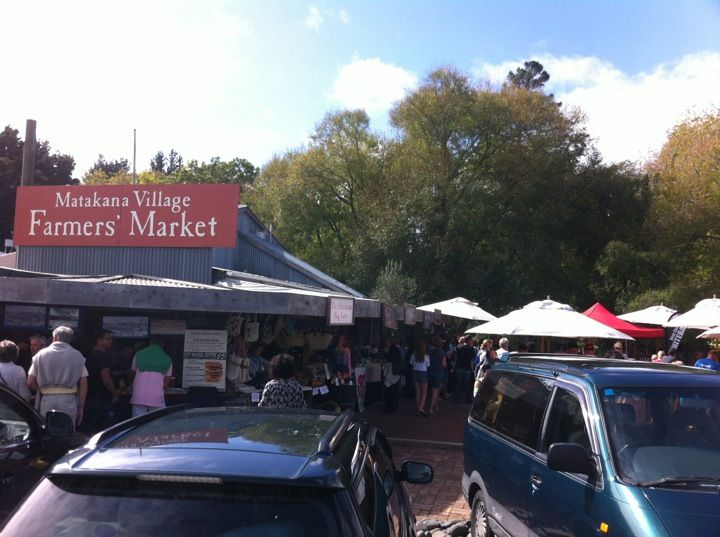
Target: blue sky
{"points": [[251, 79]]}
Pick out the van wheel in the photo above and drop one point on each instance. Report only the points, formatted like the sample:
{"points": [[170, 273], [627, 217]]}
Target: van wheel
{"points": [[479, 523]]}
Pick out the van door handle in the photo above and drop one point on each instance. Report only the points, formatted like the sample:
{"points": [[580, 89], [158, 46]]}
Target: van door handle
{"points": [[536, 480]]}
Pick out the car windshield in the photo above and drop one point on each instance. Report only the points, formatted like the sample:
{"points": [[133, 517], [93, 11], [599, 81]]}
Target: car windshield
{"points": [[664, 436], [111, 507]]}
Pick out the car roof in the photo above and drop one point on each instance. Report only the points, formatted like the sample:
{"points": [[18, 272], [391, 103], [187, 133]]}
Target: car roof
{"points": [[227, 442], [604, 372]]}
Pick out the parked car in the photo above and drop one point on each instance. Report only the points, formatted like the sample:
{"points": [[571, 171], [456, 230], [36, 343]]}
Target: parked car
{"points": [[28, 446], [559, 446], [226, 472]]}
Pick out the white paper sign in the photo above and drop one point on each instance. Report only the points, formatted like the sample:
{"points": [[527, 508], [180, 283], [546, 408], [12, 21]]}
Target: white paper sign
{"points": [[324, 390], [255, 397], [341, 311], [205, 358]]}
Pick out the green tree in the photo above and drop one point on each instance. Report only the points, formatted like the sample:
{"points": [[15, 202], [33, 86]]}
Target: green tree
{"points": [[530, 76], [148, 177], [237, 170], [477, 189], [50, 169], [158, 162], [109, 168], [174, 162], [394, 286], [328, 203], [683, 222]]}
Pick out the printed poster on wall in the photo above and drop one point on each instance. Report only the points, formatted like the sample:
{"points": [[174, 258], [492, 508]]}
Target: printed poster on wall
{"points": [[21, 316], [126, 326], [64, 317], [205, 359]]}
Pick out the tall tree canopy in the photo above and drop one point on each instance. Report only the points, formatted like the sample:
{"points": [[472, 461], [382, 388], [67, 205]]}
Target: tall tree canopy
{"points": [[50, 169], [477, 189], [237, 170], [109, 168], [684, 222]]}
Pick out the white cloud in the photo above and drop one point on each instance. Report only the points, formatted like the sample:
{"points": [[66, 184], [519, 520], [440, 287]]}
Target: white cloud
{"points": [[115, 68], [314, 18], [371, 84], [344, 17], [629, 115]]}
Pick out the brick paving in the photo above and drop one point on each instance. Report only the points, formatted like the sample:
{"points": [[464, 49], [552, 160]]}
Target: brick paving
{"points": [[436, 440]]}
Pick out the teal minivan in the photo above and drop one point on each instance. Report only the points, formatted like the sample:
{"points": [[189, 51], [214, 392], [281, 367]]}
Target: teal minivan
{"points": [[575, 446]]}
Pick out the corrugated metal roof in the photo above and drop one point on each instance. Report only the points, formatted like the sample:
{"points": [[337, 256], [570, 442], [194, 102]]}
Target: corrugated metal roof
{"points": [[150, 281], [267, 288], [300, 265]]}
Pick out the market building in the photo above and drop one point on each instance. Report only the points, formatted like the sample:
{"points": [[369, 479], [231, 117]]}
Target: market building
{"points": [[184, 262]]}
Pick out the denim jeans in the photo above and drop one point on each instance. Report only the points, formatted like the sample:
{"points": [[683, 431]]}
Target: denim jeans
{"points": [[463, 384]]}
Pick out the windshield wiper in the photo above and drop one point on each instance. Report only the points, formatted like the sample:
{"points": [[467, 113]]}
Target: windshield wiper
{"points": [[677, 480]]}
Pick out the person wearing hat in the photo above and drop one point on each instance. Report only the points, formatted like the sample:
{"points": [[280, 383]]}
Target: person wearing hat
{"points": [[617, 352]]}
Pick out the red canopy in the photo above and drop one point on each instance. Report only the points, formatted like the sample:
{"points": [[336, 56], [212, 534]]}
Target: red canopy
{"points": [[599, 313]]}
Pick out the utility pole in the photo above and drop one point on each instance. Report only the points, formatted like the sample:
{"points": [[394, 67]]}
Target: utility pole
{"points": [[27, 175], [134, 179]]}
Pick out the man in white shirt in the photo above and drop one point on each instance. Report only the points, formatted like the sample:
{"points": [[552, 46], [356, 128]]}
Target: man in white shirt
{"points": [[58, 372]]}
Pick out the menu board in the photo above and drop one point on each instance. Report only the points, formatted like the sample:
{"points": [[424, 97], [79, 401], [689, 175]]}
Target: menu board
{"points": [[205, 359], [22, 316]]}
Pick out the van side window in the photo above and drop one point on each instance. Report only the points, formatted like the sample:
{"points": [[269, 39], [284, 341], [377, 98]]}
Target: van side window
{"points": [[512, 404], [566, 423], [522, 409], [487, 402]]}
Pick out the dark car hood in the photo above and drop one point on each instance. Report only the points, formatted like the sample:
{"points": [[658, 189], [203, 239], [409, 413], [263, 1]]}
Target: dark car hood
{"points": [[686, 511]]}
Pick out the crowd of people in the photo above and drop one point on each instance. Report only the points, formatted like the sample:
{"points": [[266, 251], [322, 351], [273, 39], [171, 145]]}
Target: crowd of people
{"points": [[441, 368], [87, 382]]}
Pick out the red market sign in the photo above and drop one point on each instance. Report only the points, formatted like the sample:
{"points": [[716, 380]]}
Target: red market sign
{"points": [[187, 216]]}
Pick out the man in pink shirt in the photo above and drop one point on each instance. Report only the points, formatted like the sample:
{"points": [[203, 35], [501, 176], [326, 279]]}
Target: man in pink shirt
{"points": [[153, 369]]}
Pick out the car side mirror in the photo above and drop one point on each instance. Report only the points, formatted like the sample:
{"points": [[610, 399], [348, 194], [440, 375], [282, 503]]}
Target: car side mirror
{"points": [[415, 472], [570, 458], [59, 424]]}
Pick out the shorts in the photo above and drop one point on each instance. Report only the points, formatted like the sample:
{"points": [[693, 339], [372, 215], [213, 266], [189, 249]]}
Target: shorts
{"points": [[436, 377], [420, 377]]}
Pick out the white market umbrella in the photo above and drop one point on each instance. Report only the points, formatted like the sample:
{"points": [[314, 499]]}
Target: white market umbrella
{"points": [[657, 315], [548, 318], [713, 333], [460, 307], [705, 315]]}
